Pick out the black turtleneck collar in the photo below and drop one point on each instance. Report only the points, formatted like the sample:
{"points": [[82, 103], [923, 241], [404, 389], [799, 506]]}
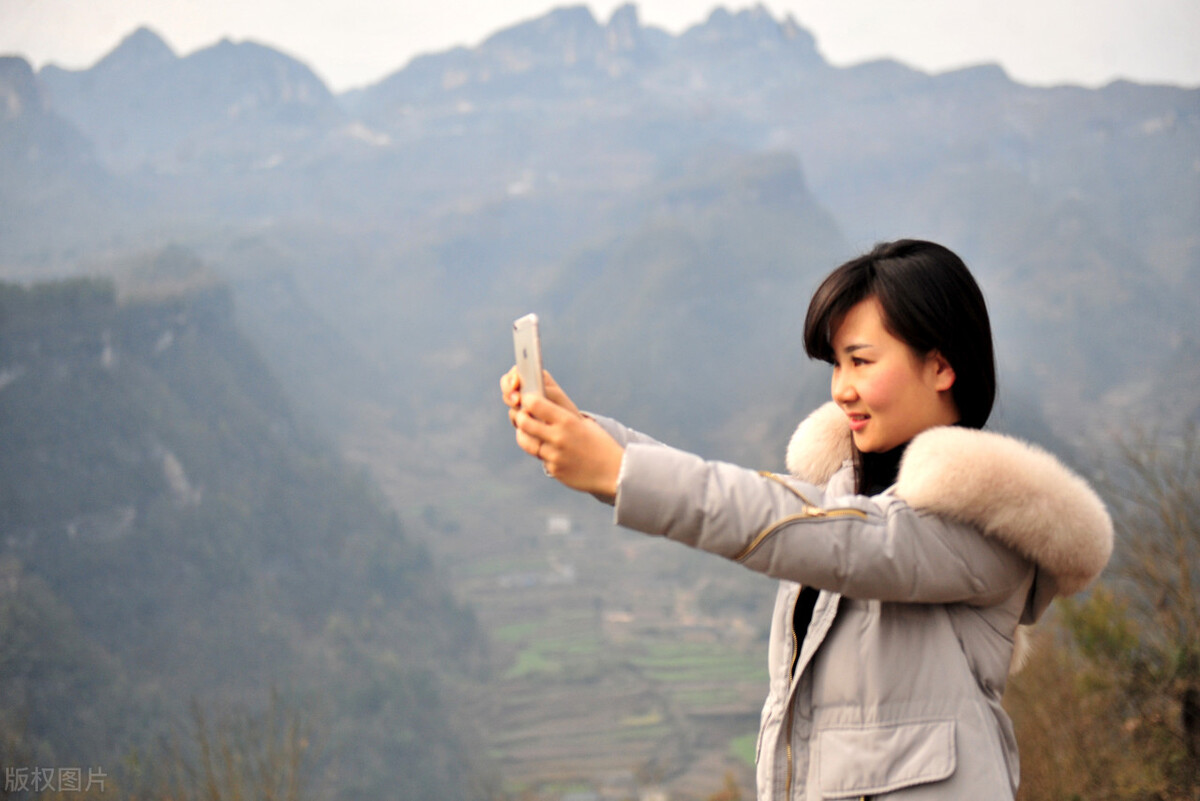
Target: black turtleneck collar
{"points": [[875, 472]]}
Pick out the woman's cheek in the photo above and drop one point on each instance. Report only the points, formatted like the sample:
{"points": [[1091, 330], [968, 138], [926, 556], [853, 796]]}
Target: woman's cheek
{"points": [[877, 389]]}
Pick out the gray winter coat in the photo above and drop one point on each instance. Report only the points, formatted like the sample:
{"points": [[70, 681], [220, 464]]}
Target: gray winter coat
{"points": [[894, 690]]}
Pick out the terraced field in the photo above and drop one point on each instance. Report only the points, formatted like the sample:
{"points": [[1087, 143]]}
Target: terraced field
{"points": [[619, 663], [606, 666]]}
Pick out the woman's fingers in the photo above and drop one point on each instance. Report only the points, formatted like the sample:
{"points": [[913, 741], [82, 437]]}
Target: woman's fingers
{"points": [[538, 416], [540, 426], [510, 388], [555, 393], [529, 444], [509, 381]]}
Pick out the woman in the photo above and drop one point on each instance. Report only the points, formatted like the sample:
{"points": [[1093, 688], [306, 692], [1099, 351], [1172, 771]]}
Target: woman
{"points": [[909, 544]]}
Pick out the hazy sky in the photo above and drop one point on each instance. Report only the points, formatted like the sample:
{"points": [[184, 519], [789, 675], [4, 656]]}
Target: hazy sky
{"points": [[352, 43]]}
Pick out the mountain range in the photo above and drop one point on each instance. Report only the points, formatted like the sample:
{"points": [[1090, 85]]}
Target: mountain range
{"points": [[420, 212]]}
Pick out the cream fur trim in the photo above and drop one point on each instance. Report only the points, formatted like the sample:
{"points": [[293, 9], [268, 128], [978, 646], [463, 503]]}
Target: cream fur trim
{"points": [[1023, 647], [820, 445], [1010, 490], [1013, 491]]}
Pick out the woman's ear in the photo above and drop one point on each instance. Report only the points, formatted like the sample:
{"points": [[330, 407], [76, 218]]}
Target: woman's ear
{"points": [[939, 370]]}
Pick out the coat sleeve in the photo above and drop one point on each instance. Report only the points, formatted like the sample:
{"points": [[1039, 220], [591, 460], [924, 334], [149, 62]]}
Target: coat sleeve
{"points": [[866, 548], [623, 434]]}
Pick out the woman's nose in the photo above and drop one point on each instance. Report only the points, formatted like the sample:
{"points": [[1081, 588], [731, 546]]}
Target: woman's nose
{"points": [[843, 391]]}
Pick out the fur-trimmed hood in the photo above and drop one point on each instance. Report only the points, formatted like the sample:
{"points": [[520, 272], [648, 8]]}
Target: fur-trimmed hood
{"points": [[1008, 489]]}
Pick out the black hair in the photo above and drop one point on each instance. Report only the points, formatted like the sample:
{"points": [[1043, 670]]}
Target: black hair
{"points": [[930, 301]]}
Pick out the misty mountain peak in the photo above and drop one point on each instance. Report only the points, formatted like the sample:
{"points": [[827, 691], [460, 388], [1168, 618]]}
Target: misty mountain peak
{"points": [[143, 104], [18, 89], [623, 31], [568, 34], [753, 27], [748, 24], [277, 78], [791, 30], [138, 53]]}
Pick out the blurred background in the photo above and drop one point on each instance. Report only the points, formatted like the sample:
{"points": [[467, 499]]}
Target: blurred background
{"points": [[263, 529]]}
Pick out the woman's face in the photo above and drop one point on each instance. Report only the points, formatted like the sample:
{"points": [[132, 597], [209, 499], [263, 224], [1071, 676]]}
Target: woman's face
{"points": [[889, 392]]}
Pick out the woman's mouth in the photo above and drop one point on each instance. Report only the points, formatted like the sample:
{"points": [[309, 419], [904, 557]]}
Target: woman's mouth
{"points": [[858, 421]]}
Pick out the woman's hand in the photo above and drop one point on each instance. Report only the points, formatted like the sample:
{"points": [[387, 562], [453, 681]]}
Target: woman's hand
{"points": [[573, 448], [510, 388]]}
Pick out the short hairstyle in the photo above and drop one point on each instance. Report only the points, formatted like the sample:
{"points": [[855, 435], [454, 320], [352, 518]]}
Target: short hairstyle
{"points": [[930, 301]]}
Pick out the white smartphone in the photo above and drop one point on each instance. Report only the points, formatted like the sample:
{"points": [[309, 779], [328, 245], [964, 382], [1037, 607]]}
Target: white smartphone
{"points": [[528, 348]]}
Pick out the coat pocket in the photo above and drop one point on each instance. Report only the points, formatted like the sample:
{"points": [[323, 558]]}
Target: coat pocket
{"points": [[868, 760]]}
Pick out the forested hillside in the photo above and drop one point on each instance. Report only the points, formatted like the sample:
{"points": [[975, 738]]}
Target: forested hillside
{"points": [[174, 538]]}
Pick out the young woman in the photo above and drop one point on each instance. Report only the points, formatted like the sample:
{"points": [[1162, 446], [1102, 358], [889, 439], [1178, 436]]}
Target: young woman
{"points": [[909, 544]]}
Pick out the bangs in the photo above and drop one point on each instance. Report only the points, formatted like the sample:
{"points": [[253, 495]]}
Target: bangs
{"points": [[841, 290]]}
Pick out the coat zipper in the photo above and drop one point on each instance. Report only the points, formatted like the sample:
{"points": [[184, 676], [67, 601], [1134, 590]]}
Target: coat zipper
{"points": [[787, 723], [790, 767], [807, 512]]}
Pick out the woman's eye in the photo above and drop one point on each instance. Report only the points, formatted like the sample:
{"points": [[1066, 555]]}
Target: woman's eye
{"points": [[857, 361]]}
